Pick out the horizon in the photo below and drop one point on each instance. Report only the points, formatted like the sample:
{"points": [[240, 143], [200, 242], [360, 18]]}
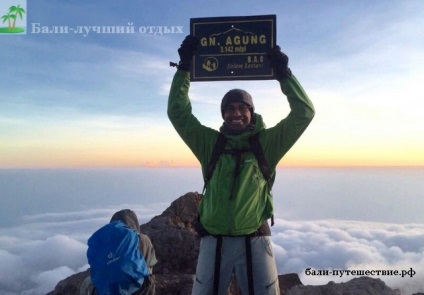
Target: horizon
{"points": [[197, 166], [341, 190], [99, 100]]}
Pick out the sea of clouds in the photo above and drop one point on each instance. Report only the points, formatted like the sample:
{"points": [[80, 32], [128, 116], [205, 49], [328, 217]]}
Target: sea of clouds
{"points": [[326, 220], [47, 248], [338, 245]]}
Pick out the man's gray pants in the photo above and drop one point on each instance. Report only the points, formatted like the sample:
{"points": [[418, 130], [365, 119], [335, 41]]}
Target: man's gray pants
{"points": [[233, 260]]}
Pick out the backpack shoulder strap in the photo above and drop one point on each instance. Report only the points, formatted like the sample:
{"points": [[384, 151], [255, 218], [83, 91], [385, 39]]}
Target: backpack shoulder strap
{"points": [[259, 154], [216, 153], [263, 165]]}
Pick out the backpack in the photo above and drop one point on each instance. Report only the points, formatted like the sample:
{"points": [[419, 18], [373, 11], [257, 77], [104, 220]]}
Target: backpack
{"points": [[255, 148], [116, 264]]}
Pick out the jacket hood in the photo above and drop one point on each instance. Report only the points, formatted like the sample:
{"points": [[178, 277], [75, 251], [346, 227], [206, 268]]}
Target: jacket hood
{"points": [[128, 217]]}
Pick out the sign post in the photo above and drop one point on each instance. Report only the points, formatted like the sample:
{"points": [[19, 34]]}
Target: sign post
{"points": [[233, 48]]}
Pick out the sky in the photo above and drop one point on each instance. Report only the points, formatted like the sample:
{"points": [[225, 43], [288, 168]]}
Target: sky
{"points": [[99, 100]]}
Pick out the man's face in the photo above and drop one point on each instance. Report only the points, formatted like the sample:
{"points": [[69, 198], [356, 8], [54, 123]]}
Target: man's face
{"points": [[237, 116]]}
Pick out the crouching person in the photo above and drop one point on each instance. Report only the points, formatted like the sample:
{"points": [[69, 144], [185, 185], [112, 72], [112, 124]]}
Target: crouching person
{"points": [[121, 259]]}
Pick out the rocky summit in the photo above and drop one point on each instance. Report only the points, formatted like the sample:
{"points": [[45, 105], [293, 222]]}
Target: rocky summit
{"points": [[176, 244]]}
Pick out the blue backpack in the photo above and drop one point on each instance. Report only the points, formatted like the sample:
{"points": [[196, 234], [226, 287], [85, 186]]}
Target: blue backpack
{"points": [[116, 264]]}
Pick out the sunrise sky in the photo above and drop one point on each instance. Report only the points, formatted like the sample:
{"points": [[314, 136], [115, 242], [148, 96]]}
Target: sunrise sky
{"points": [[69, 100]]}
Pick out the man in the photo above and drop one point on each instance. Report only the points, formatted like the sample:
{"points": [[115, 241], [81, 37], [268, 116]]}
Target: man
{"points": [[237, 202]]}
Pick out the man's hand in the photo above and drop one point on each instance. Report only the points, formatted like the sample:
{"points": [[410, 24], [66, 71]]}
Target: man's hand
{"points": [[186, 52], [279, 63]]}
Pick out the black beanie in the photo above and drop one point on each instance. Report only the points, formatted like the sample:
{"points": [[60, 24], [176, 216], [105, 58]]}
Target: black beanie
{"points": [[237, 95]]}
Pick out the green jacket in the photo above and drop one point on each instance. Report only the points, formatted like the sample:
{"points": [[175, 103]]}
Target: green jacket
{"points": [[238, 206]]}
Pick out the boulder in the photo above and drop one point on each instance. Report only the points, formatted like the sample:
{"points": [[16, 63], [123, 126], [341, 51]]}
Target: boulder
{"points": [[356, 286], [173, 235]]}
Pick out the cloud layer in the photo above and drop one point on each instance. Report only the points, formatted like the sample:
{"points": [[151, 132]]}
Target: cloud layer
{"points": [[351, 246], [47, 248]]}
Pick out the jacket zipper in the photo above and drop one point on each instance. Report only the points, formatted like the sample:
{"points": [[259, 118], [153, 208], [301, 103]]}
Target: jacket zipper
{"points": [[237, 155]]}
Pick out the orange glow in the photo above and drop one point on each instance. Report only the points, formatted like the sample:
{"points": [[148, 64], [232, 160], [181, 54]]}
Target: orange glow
{"points": [[170, 151], [181, 156]]}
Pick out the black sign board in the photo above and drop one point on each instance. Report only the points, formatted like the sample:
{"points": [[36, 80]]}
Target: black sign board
{"points": [[233, 48]]}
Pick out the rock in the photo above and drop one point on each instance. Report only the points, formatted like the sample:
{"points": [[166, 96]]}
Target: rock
{"points": [[170, 284], [288, 281], [70, 285], [356, 286], [177, 246], [174, 238]]}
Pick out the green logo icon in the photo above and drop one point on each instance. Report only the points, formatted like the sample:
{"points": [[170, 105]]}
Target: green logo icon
{"points": [[12, 18]]}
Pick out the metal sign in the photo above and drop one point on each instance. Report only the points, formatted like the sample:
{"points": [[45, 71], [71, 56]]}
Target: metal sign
{"points": [[233, 48]]}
